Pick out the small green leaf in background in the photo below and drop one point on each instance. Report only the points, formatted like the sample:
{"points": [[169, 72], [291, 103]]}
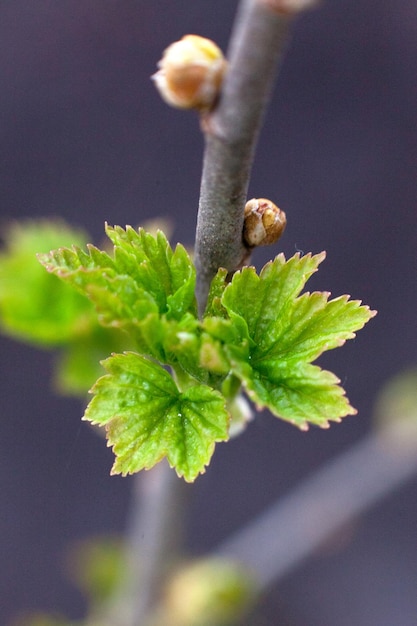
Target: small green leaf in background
{"points": [[36, 306], [96, 565], [148, 418], [273, 334], [40, 309]]}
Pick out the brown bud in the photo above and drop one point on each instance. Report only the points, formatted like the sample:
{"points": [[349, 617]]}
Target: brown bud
{"points": [[289, 7], [191, 73], [264, 222]]}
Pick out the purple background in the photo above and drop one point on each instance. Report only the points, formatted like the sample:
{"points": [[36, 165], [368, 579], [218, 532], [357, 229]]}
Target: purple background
{"points": [[84, 135]]}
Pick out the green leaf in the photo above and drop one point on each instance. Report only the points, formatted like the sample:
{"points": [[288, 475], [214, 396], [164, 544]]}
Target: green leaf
{"points": [[217, 287], [300, 394], [167, 275], [148, 417], [35, 306], [265, 302], [143, 282], [97, 566], [316, 325], [272, 335]]}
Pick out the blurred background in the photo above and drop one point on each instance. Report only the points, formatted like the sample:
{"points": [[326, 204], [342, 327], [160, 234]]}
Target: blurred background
{"points": [[84, 136]]}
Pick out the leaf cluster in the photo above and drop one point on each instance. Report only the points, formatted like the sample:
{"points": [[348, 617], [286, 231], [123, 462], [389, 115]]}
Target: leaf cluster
{"points": [[38, 308], [173, 394]]}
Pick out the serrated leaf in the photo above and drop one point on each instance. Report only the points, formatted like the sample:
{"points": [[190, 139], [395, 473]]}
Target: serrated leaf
{"points": [[273, 333], [167, 274], [148, 418], [316, 324], [217, 287], [143, 282], [265, 302], [300, 394]]}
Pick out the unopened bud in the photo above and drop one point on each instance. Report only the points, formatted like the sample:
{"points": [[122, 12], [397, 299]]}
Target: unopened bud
{"points": [[264, 222], [289, 7], [191, 73]]}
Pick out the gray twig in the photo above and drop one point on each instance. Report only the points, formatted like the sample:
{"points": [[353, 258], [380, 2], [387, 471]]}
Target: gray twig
{"points": [[153, 542], [231, 131], [292, 529]]}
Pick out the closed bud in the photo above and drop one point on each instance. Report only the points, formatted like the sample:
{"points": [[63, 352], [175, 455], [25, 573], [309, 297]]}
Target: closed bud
{"points": [[289, 7], [264, 222], [191, 73]]}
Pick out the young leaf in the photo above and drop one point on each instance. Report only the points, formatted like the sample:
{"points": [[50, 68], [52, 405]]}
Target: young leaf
{"points": [[300, 394], [142, 282], [148, 418], [273, 334], [265, 302], [167, 274]]}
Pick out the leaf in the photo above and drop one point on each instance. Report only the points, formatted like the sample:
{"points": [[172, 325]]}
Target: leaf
{"points": [[34, 305], [142, 282], [316, 325], [148, 418], [217, 287], [299, 394], [166, 274], [265, 302], [273, 333]]}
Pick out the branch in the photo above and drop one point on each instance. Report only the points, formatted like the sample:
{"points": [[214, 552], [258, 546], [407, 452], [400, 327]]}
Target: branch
{"points": [[153, 540], [231, 131], [292, 529]]}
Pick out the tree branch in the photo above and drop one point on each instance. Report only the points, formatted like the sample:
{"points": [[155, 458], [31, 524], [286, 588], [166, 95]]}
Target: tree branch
{"points": [[231, 131], [152, 546], [292, 529]]}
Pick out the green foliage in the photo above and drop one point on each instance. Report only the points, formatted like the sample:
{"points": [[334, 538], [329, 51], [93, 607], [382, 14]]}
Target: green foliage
{"points": [[96, 566], [176, 392], [37, 307], [144, 288], [34, 305], [271, 334], [148, 418]]}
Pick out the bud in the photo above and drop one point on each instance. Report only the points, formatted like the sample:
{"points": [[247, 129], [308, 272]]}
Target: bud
{"points": [[191, 73], [289, 7], [207, 592], [264, 222]]}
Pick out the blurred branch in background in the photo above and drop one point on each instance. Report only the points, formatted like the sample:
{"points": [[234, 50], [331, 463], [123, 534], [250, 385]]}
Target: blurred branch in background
{"points": [[291, 530]]}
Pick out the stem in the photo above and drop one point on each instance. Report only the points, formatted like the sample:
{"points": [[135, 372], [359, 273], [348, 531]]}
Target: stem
{"points": [[154, 534], [292, 529], [231, 132]]}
